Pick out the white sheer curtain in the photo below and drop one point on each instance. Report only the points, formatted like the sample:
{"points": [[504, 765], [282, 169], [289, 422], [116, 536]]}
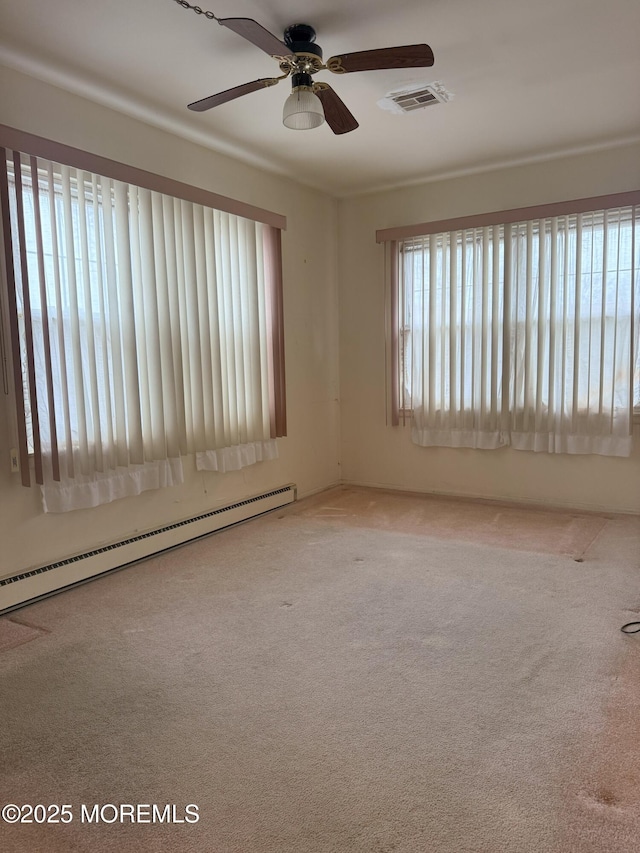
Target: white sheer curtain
{"points": [[522, 333], [453, 309], [144, 327]]}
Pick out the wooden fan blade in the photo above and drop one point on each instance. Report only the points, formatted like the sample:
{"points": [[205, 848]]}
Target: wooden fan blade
{"points": [[336, 112], [231, 94], [255, 33], [409, 56]]}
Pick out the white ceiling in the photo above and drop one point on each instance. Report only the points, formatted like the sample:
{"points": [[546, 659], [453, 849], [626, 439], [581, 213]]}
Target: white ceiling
{"points": [[532, 79]]}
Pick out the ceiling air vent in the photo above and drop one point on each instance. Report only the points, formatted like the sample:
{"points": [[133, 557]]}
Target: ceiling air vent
{"points": [[415, 97]]}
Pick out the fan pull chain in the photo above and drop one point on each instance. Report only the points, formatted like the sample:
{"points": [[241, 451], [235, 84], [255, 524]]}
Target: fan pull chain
{"points": [[197, 10]]}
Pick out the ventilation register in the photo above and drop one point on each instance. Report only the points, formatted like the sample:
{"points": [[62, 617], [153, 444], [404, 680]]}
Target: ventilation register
{"points": [[415, 98]]}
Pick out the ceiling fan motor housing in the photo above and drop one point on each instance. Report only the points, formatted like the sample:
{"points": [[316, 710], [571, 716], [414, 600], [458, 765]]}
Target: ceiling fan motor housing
{"points": [[301, 79], [301, 39]]}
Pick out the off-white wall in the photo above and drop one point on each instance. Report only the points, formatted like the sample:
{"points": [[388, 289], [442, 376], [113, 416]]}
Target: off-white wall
{"points": [[376, 454], [309, 455]]}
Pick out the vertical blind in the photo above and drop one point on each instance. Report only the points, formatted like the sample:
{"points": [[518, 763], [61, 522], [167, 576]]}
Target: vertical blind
{"points": [[144, 327], [521, 333]]}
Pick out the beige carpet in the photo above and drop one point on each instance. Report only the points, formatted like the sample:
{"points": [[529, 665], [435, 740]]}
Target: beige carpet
{"points": [[317, 681], [496, 523], [14, 633]]}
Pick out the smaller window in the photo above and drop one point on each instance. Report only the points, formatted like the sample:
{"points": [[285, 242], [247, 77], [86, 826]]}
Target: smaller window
{"points": [[522, 333]]}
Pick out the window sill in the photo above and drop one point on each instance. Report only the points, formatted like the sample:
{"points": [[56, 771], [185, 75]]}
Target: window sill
{"points": [[405, 416]]}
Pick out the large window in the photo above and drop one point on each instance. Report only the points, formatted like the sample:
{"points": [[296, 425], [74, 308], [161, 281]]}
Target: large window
{"points": [[145, 327], [522, 333]]}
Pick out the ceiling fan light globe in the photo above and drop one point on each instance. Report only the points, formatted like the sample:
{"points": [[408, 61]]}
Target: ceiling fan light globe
{"points": [[302, 110]]}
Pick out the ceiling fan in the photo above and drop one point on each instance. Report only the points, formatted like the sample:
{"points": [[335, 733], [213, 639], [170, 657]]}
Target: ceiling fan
{"points": [[311, 103]]}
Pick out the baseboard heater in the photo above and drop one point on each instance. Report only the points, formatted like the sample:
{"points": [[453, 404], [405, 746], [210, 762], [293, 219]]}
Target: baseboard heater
{"points": [[36, 583]]}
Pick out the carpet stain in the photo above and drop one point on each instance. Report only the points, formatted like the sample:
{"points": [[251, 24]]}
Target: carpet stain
{"points": [[604, 813], [15, 632], [330, 512], [519, 528], [598, 799], [604, 798]]}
